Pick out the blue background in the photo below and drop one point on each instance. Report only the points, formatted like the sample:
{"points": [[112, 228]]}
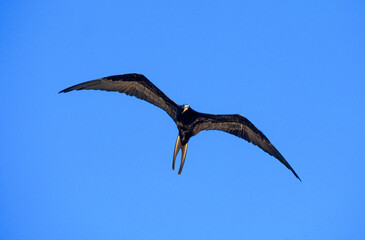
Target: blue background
{"points": [[97, 165]]}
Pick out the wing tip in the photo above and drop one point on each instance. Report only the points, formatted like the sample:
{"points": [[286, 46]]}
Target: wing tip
{"points": [[296, 175], [292, 170], [66, 90], [275, 153]]}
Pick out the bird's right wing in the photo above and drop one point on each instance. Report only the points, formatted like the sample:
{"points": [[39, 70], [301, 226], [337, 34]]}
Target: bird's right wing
{"points": [[134, 85], [241, 127]]}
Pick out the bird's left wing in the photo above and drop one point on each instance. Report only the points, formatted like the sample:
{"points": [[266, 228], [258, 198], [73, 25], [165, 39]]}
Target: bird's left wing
{"points": [[241, 127], [134, 85]]}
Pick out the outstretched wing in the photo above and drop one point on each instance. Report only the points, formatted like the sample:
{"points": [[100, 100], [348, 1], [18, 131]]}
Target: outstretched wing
{"points": [[241, 127], [133, 84]]}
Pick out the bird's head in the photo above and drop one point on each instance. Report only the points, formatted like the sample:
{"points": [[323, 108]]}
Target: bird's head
{"points": [[185, 107]]}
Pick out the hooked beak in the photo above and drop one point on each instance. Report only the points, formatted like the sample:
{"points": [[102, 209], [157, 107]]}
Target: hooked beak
{"points": [[183, 154]]}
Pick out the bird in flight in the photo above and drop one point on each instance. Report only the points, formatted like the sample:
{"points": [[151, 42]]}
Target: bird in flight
{"points": [[188, 121]]}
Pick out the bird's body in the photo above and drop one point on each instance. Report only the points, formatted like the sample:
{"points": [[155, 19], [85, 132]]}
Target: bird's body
{"points": [[188, 121], [185, 119]]}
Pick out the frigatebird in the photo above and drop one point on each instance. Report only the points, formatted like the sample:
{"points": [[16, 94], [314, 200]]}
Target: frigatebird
{"points": [[188, 121]]}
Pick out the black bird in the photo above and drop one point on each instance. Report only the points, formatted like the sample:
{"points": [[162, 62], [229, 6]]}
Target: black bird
{"points": [[188, 121]]}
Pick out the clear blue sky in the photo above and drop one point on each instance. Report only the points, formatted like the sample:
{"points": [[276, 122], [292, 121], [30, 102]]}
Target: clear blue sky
{"points": [[97, 165]]}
